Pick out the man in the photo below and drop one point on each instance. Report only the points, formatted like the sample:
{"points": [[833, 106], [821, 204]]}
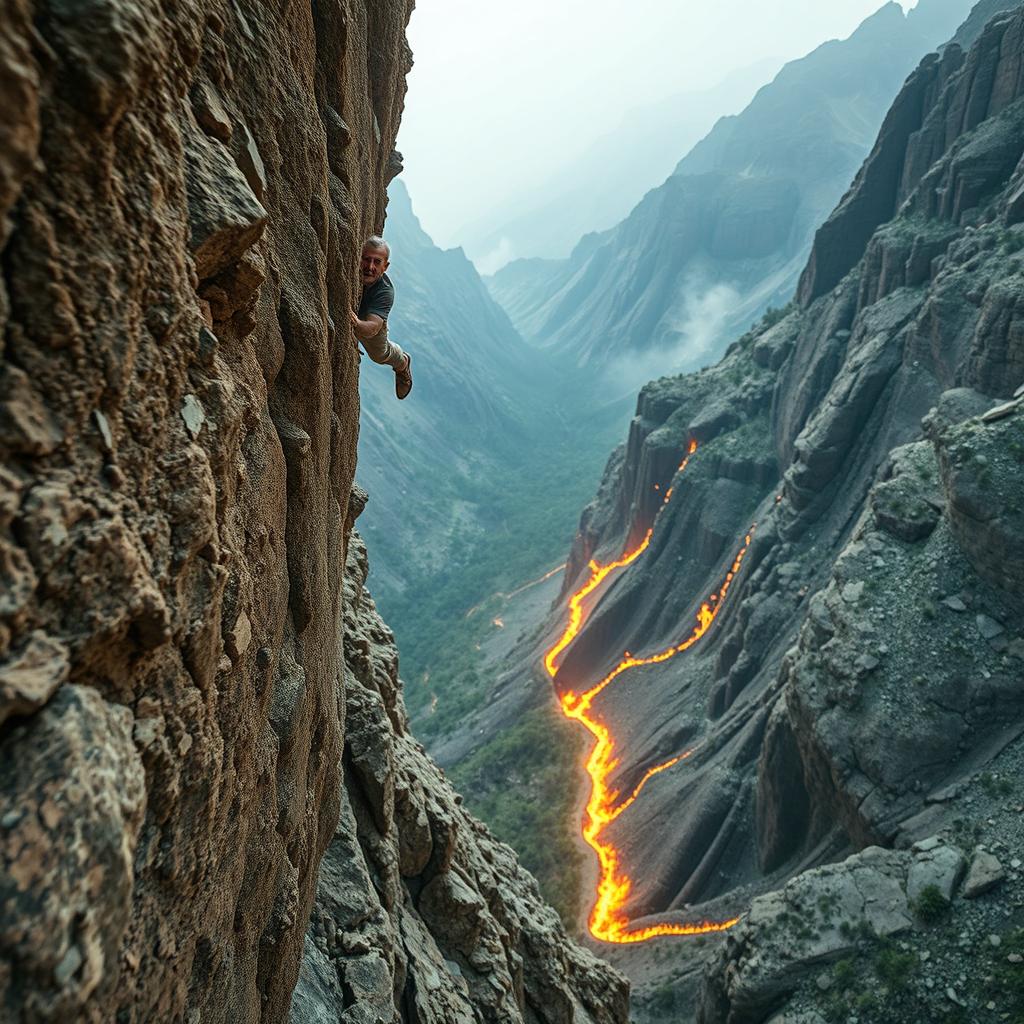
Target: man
{"points": [[370, 324]]}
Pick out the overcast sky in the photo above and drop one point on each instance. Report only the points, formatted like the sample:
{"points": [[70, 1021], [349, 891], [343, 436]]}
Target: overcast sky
{"points": [[500, 94]]}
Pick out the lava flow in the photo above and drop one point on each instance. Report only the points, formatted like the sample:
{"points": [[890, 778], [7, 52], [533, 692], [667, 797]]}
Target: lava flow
{"points": [[598, 574], [607, 921]]}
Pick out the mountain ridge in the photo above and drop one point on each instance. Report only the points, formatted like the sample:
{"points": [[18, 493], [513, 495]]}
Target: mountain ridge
{"points": [[668, 285]]}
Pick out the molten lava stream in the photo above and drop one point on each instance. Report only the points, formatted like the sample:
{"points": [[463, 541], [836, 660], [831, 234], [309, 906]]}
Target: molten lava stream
{"points": [[607, 920], [599, 573]]}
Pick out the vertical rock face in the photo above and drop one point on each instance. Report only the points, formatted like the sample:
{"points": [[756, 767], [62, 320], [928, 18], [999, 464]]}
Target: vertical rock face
{"points": [[183, 187], [422, 916]]}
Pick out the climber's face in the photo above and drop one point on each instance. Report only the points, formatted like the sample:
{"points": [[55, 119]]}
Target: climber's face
{"points": [[375, 262]]}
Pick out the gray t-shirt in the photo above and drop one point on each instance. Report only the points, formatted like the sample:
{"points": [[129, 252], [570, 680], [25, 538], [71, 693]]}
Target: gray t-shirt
{"points": [[378, 298]]}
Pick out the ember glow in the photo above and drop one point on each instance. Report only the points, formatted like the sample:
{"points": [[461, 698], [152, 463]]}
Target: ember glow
{"points": [[607, 920]]}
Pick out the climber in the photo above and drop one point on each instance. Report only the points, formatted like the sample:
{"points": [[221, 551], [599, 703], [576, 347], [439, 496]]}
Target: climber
{"points": [[370, 324]]}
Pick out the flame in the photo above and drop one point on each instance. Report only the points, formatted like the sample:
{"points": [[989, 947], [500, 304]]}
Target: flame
{"points": [[598, 574], [648, 775], [607, 921], [708, 613]]}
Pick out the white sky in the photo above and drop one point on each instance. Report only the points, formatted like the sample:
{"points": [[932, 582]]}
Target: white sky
{"points": [[501, 94]]}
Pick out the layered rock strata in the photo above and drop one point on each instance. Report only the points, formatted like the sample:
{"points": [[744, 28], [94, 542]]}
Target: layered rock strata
{"points": [[183, 188]]}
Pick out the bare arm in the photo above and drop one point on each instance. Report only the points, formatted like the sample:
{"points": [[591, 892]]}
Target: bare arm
{"points": [[368, 328]]}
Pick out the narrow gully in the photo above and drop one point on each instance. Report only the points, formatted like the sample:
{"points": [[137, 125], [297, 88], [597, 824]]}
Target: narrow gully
{"points": [[608, 921]]}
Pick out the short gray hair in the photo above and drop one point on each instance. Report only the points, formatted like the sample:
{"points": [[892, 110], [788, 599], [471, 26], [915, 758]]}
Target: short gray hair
{"points": [[378, 243]]}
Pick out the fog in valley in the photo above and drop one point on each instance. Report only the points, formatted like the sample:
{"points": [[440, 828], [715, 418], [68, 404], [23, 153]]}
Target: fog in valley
{"points": [[525, 107]]}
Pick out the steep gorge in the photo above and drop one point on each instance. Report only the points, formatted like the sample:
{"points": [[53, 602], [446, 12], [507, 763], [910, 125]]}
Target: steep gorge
{"points": [[184, 188], [862, 680]]}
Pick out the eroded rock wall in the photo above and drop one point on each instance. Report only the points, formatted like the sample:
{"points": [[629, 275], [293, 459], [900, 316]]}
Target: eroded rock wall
{"points": [[864, 672], [863, 539], [422, 915], [183, 187]]}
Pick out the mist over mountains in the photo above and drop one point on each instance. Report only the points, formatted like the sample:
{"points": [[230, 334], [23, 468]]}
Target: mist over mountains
{"points": [[727, 234], [599, 187]]}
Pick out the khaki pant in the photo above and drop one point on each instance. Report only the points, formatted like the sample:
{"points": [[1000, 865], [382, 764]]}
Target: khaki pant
{"points": [[382, 350]]}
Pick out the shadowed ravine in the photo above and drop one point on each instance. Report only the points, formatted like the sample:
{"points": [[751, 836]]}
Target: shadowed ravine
{"points": [[608, 921]]}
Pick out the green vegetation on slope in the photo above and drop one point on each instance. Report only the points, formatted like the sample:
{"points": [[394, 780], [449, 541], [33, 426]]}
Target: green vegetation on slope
{"points": [[532, 515], [524, 781], [524, 784]]}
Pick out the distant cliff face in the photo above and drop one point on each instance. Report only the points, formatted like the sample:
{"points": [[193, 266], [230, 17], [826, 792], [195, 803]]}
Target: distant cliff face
{"points": [[703, 255], [476, 394], [598, 188], [860, 684], [183, 188]]}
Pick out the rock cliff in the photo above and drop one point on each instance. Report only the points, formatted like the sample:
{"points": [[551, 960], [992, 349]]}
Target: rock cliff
{"points": [[861, 683], [184, 188], [183, 191], [422, 916]]}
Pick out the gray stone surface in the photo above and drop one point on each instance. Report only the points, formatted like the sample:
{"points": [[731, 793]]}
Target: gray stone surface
{"points": [[981, 469], [985, 873], [451, 928], [819, 916], [939, 866]]}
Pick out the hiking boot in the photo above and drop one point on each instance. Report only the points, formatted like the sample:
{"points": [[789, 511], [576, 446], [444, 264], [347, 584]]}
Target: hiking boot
{"points": [[403, 378]]}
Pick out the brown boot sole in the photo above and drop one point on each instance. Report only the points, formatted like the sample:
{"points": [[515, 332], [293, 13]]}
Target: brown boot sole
{"points": [[403, 379]]}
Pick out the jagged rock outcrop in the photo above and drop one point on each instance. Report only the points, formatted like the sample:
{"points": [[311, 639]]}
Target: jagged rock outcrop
{"points": [[819, 917], [421, 915], [183, 188]]}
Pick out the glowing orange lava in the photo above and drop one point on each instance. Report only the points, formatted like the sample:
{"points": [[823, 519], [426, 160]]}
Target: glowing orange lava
{"points": [[598, 574], [607, 921]]}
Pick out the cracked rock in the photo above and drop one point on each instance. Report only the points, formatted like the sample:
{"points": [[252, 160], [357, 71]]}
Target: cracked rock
{"points": [[985, 873]]}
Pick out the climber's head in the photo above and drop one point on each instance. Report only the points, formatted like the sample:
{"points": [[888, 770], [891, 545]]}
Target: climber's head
{"points": [[376, 257]]}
